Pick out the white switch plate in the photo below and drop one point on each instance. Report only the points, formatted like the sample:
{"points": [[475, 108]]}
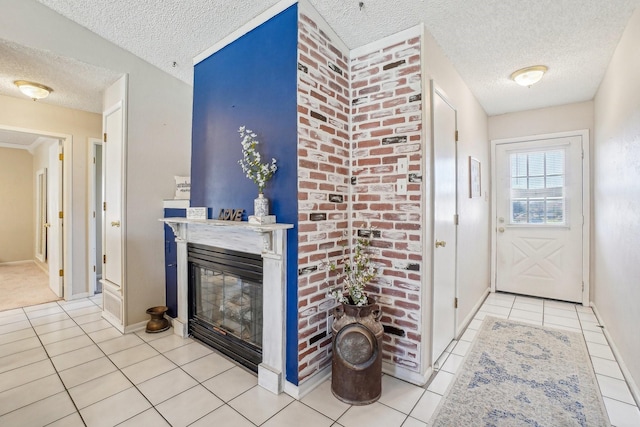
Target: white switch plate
{"points": [[401, 186], [403, 165]]}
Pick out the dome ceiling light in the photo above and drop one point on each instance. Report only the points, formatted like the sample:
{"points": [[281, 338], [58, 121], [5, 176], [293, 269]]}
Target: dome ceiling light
{"points": [[33, 90], [529, 75]]}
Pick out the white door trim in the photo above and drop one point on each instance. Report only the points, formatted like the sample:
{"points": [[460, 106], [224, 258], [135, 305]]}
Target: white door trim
{"points": [[586, 202], [91, 203]]}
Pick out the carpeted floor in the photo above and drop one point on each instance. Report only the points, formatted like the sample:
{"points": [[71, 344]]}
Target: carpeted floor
{"points": [[522, 375], [23, 285]]}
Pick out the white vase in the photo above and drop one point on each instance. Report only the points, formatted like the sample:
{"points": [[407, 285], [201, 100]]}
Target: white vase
{"points": [[261, 206]]}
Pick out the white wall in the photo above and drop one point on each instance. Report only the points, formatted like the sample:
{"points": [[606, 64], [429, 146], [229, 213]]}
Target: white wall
{"points": [[617, 197], [159, 142], [473, 232]]}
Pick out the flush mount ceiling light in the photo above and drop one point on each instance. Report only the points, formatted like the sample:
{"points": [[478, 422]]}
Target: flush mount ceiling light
{"points": [[529, 75], [33, 90]]}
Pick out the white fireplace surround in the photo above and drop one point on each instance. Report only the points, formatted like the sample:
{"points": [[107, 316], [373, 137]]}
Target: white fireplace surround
{"points": [[269, 241]]}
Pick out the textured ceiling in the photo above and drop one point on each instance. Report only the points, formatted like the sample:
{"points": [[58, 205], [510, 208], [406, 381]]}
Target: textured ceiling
{"points": [[486, 40], [75, 84], [24, 140]]}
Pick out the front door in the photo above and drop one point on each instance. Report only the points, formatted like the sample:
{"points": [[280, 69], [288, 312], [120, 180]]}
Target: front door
{"points": [[444, 226], [539, 217]]}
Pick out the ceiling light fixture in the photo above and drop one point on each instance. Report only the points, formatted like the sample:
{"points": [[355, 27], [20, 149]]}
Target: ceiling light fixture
{"points": [[33, 90], [529, 75]]}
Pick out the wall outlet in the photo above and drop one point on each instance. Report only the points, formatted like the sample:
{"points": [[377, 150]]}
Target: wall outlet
{"points": [[403, 165], [401, 186]]}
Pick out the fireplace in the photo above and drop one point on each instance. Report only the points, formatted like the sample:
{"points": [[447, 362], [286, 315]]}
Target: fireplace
{"points": [[225, 302], [267, 242]]}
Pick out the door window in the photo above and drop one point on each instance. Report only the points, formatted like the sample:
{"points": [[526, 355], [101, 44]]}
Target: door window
{"points": [[538, 187]]}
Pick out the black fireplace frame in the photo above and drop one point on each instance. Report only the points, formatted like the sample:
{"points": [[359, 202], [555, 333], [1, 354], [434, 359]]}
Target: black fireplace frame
{"points": [[240, 264]]}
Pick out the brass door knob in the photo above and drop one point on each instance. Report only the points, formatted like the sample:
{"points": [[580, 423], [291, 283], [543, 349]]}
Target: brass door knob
{"points": [[115, 223], [440, 243], [501, 229]]}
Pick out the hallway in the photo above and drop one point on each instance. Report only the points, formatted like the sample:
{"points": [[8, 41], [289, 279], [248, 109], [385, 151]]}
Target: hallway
{"points": [[61, 364]]}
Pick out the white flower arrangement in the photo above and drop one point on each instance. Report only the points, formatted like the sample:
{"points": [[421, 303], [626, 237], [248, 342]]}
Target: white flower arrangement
{"points": [[251, 161], [358, 270]]}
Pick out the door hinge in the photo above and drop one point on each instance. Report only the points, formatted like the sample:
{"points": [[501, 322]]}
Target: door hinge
{"points": [[104, 206], [61, 156], [455, 302], [456, 219], [94, 160], [104, 259], [104, 137], [61, 272], [583, 153], [456, 136], [94, 268], [582, 286], [94, 214], [60, 214]]}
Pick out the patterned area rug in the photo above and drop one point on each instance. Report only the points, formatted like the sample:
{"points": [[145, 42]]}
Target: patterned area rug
{"points": [[518, 374]]}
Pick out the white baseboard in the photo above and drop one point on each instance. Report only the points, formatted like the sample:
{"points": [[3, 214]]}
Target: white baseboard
{"points": [[405, 374], [301, 390], [463, 325], [633, 387], [115, 322], [26, 261], [135, 327]]}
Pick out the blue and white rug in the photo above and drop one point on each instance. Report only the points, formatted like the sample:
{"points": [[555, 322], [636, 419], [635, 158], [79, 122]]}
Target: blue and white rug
{"points": [[518, 374]]}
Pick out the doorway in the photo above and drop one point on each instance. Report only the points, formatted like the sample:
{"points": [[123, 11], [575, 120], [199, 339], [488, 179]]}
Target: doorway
{"points": [[540, 216], [445, 196]]}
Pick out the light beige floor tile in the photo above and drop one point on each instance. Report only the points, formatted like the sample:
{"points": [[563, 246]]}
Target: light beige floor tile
{"points": [[595, 337], [322, 400], [529, 300], [148, 369], [223, 416], [559, 304], [115, 409], [86, 372], [104, 334], [76, 357], [54, 326], [258, 404], [61, 335], [17, 335], [453, 363], [615, 389], [495, 310], [599, 350], [13, 312], [15, 326], [99, 388], [441, 382], [41, 412], [166, 385], [96, 326], [23, 358], [399, 395], [412, 422], [525, 320], [526, 306], [461, 348], [31, 392], [292, 415], [475, 324], [552, 320], [73, 420], [426, 406], [169, 342], [231, 383], [120, 343], [622, 414], [75, 304], [374, 415], [88, 318], [25, 374], [147, 336], [590, 326], [33, 314], [468, 335], [607, 367], [189, 406], [17, 316], [207, 367], [85, 311], [569, 314], [523, 314], [39, 307], [187, 353], [70, 344], [58, 317], [19, 346], [587, 316], [150, 417], [133, 355]]}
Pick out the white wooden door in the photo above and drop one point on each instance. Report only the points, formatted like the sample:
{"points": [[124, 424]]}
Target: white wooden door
{"points": [[444, 211], [55, 219], [539, 218], [113, 212]]}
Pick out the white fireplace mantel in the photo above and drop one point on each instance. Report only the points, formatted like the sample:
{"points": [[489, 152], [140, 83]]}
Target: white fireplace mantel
{"points": [[269, 241]]}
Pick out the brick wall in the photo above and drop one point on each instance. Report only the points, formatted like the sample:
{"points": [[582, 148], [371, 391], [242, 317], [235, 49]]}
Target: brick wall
{"points": [[323, 176], [356, 117], [386, 125]]}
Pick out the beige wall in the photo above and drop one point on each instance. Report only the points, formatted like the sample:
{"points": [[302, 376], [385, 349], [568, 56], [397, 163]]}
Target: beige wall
{"points": [[473, 232], [617, 197], [16, 205], [159, 143]]}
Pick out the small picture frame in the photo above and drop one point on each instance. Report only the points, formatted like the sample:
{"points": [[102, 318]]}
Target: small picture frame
{"points": [[475, 186]]}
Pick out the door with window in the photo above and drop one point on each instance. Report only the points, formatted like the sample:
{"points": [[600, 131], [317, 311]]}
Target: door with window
{"points": [[539, 231]]}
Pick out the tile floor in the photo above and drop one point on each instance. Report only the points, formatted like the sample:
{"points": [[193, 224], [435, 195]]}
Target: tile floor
{"points": [[61, 364]]}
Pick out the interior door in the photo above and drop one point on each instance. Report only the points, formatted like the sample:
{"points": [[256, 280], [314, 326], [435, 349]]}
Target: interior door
{"points": [[539, 218], [445, 233], [55, 218]]}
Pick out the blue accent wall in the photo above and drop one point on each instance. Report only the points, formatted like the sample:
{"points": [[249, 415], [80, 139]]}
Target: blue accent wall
{"points": [[252, 82]]}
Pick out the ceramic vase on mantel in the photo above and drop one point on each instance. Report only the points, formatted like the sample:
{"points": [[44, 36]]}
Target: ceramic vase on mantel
{"points": [[261, 206]]}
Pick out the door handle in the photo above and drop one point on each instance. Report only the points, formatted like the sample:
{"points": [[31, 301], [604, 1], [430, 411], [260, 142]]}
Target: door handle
{"points": [[115, 223], [440, 243], [501, 229]]}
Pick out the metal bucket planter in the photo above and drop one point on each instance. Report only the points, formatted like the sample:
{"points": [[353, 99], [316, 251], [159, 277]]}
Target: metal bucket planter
{"points": [[356, 366], [158, 323]]}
